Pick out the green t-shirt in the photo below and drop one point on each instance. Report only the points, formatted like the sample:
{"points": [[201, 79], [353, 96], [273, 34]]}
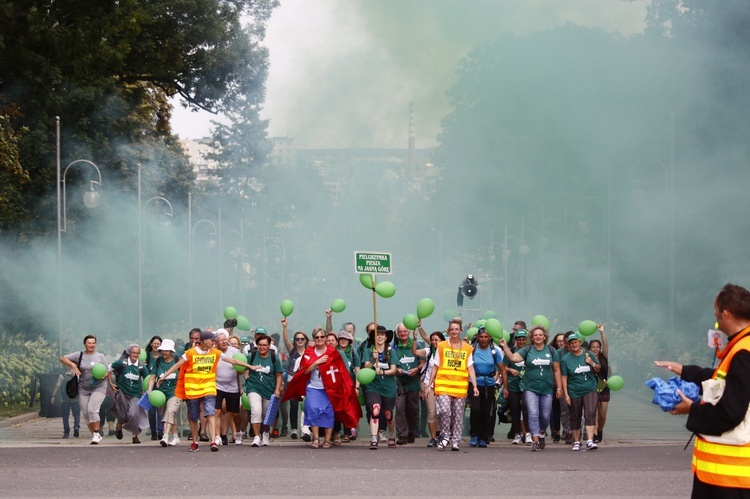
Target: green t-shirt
{"points": [[406, 360], [538, 376], [160, 367], [263, 381], [581, 376], [514, 382], [382, 384], [351, 359], [129, 376]]}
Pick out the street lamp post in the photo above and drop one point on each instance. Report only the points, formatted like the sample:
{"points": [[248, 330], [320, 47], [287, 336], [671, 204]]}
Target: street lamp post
{"points": [[141, 249], [91, 199]]}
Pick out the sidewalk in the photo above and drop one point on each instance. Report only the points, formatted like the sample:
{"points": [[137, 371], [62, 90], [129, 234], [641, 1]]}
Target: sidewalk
{"points": [[631, 421]]}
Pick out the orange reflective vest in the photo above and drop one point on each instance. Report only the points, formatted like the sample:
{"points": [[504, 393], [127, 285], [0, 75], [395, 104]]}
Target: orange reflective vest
{"points": [[452, 377], [721, 464], [199, 376]]}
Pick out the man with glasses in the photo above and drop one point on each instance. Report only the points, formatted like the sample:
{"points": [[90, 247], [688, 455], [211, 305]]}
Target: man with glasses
{"points": [[408, 368]]}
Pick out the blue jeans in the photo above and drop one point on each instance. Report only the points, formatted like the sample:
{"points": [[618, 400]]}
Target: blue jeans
{"points": [[154, 420], [539, 408]]}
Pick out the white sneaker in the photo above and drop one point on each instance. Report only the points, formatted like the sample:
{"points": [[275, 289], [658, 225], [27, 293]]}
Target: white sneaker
{"points": [[256, 441], [293, 435], [217, 440], [165, 440], [266, 437], [529, 440], [175, 441], [381, 436], [516, 440], [238, 438], [96, 438], [590, 445]]}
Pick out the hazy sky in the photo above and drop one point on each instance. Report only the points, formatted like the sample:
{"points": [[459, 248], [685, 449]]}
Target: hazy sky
{"points": [[343, 72]]}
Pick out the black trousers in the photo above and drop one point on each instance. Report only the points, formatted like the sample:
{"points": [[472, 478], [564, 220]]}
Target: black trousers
{"points": [[482, 415]]}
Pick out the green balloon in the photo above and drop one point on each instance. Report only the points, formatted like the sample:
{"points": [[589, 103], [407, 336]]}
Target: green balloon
{"points": [[471, 332], [425, 308], [449, 314], [367, 280], [99, 371], [366, 375], [540, 320], [241, 357], [494, 327], [489, 314], [338, 305], [480, 323], [157, 398], [144, 384], [587, 328], [615, 383], [242, 323], [287, 307], [230, 313], [143, 356], [245, 400], [385, 289], [361, 398], [506, 336], [411, 321]]}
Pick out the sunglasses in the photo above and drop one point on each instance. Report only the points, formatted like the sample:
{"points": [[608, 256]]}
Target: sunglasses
{"points": [[319, 337], [299, 339]]}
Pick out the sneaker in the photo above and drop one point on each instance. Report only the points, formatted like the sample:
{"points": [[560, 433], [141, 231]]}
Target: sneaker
{"points": [[374, 444], [353, 435], [528, 440], [214, 447], [76, 433], [401, 441], [590, 445], [110, 433], [224, 440], [381, 436], [193, 447], [454, 447], [568, 439], [306, 437], [135, 439], [174, 441], [541, 443], [284, 431], [294, 435], [118, 433], [410, 438], [164, 441], [432, 442], [442, 444], [265, 440], [556, 437], [96, 438], [576, 446], [598, 437], [392, 442], [535, 447], [256, 441], [238, 438], [275, 433], [474, 441], [482, 444], [153, 437], [66, 435], [218, 440], [516, 440]]}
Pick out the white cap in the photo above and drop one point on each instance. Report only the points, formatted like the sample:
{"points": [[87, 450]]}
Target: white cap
{"points": [[167, 345], [221, 331]]}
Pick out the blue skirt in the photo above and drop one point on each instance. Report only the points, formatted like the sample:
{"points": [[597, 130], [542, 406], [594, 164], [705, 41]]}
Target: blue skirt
{"points": [[318, 409]]}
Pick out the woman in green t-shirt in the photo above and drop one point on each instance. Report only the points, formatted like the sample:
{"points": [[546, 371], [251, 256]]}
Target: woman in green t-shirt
{"points": [[381, 392], [579, 382]]}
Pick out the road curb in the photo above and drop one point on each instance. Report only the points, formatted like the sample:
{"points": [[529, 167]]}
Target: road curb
{"points": [[23, 418]]}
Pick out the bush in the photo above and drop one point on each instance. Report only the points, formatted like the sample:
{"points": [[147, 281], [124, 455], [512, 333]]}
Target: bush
{"points": [[21, 360]]}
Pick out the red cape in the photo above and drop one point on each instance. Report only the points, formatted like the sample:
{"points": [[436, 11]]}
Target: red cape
{"points": [[336, 381]]}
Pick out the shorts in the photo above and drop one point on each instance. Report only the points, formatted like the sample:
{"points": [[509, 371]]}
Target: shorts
{"points": [[194, 408], [386, 403], [604, 395], [233, 400]]}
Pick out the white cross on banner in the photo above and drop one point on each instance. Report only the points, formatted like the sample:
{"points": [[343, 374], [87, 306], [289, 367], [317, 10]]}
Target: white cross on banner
{"points": [[332, 371]]}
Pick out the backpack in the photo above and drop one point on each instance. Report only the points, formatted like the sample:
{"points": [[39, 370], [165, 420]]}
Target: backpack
{"points": [[273, 358]]}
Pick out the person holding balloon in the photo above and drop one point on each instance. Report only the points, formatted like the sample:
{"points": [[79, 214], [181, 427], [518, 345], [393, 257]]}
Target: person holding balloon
{"points": [[171, 403], [600, 349], [91, 390], [154, 414], [426, 393], [381, 392], [129, 372], [452, 371], [513, 389], [578, 369], [541, 376]]}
